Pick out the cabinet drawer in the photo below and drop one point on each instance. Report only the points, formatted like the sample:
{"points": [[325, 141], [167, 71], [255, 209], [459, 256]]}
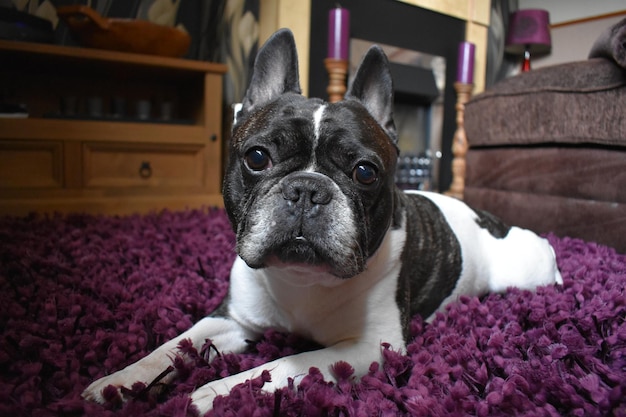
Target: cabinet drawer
{"points": [[31, 164], [143, 165]]}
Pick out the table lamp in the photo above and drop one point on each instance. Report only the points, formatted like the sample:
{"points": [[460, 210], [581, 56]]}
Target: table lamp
{"points": [[529, 33]]}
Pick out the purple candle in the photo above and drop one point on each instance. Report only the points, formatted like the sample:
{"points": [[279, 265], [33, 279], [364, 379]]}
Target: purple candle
{"points": [[338, 33], [465, 70]]}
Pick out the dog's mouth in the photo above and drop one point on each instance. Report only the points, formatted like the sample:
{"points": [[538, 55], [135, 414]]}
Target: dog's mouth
{"points": [[301, 251], [306, 255]]}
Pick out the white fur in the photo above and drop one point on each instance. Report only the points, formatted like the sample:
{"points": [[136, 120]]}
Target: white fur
{"points": [[521, 259], [317, 122]]}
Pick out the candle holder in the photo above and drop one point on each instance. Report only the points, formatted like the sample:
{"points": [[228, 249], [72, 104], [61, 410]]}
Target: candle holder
{"points": [[337, 73], [459, 143]]}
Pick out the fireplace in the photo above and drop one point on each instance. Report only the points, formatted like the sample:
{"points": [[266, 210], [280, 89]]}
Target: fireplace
{"points": [[422, 46]]}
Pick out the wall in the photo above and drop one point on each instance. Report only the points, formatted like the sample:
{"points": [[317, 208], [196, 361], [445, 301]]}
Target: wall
{"points": [[573, 41], [568, 10], [576, 24]]}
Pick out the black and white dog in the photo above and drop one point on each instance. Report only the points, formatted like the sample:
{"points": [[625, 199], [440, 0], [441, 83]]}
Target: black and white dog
{"points": [[328, 247]]}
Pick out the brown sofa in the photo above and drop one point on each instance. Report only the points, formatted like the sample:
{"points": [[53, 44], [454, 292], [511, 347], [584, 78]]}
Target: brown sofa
{"points": [[548, 148]]}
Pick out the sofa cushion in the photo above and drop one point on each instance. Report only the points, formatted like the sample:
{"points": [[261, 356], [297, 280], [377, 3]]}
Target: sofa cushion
{"points": [[572, 103], [598, 221], [592, 173]]}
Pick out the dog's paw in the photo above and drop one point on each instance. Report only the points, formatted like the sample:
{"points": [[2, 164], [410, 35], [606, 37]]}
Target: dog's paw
{"points": [[124, 381], [203, 402], [558, 279], [255, 379], [95, 391], [203, 397]]}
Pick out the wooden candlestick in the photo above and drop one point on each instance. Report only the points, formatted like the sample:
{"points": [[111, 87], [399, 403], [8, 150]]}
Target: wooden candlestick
{"points": [[337, 73], [459, 143]]}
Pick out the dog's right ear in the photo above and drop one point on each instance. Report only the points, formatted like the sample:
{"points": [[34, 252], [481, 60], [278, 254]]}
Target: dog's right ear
{"points": [[275, 71]]}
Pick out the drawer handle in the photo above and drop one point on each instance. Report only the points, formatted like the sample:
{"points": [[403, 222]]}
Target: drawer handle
{"points": [[145, 170]]}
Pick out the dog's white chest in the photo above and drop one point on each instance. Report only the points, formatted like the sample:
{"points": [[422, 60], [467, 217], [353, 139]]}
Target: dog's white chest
{"points": [[320, 306]]}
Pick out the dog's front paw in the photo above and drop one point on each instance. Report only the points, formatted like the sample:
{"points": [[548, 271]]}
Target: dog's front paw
{"points": [[203, 399], [95, 391], [204, 396], [124, 382]]}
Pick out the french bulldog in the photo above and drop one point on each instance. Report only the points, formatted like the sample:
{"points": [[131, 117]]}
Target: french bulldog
{"points": [[328, 247]]}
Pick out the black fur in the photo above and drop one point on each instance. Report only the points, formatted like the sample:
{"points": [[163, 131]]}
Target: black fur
{"points": [[496, 227], [373, 88], [275, 72]]}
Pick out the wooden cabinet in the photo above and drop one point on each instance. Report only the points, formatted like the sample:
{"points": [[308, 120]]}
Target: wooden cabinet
{"points": [[108, 132], [42, 160]]}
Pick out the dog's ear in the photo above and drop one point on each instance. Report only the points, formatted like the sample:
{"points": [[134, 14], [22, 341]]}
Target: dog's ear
{"points": [[373, 87], [275, 71]]}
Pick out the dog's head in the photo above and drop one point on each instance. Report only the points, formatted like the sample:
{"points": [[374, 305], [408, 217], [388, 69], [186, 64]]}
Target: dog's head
{"points": [[310, 183]]}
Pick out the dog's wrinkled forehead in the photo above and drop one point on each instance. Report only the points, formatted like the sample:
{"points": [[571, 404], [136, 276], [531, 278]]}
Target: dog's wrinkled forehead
{"points": [[288, 114], [345, 127], [351, 118]]}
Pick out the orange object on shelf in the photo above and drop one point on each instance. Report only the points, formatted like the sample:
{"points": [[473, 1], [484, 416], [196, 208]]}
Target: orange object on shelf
{"points": [[126, 35]]}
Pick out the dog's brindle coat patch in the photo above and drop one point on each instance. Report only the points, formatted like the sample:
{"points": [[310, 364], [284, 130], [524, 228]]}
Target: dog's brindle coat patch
{"points": [[427, 277]]}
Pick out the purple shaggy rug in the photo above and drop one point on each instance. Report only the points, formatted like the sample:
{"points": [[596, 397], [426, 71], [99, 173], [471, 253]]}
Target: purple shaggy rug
{"points": [[83, 296]]}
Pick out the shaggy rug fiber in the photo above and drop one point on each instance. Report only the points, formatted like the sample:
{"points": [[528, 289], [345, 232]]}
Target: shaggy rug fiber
{"points": [[83, 296]]}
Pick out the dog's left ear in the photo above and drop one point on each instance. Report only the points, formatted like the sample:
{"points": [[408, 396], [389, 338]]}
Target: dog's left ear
{"points": [[373, 87], [275, 71]]}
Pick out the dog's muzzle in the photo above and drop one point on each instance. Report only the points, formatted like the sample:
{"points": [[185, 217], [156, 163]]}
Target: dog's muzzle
{"points": [[304, 220]]}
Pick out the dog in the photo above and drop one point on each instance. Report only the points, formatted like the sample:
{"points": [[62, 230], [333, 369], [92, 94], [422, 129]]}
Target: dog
{"points": [[328, 247]]}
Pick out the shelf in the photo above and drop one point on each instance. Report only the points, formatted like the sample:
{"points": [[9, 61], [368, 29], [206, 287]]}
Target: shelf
{"points": [[43, 76], [85, 55], [80, 130]]}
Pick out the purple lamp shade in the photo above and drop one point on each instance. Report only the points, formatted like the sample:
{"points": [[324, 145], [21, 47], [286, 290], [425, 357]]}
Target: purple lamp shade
{"points": [[529, 30]]}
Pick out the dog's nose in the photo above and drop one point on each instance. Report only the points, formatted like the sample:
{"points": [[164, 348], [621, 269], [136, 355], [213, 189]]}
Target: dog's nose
{"points": [[307, 187]]}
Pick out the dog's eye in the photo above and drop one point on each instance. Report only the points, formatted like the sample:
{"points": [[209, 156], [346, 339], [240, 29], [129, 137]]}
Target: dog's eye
{"points": [[365, 174], [258, 160]]}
